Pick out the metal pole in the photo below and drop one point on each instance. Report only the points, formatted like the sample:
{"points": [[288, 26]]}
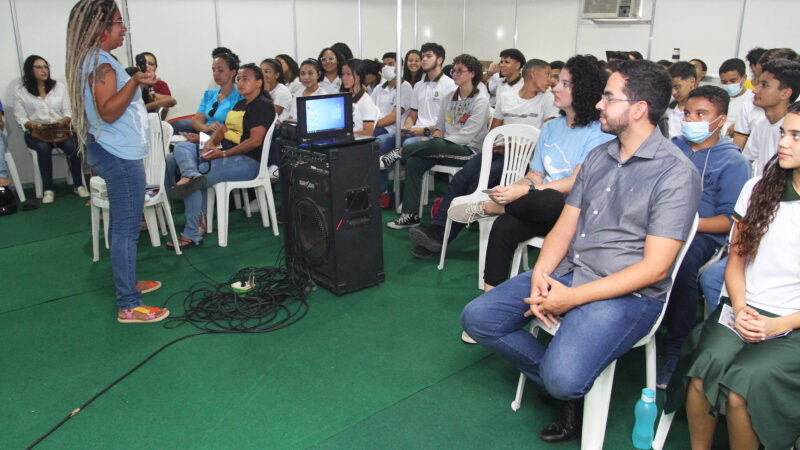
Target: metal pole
{"points": [[13, 5], [652, 29], [463, 27], [578, 27], [128, 43], [294, 27], [516, 21], [360, 52], [398, 85], [416, 23], [739, 32], [216, 22]]}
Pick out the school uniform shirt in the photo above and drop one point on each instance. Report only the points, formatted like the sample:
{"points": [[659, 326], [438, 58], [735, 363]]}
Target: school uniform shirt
{"points": [[364, 110], [772, 277], [745, 112], [293, 106], [508, 86], [428, 96], [281, 96], [675, 115], [32, 108], [296, 87], [763, 142], [511, 108], [493, 83], [243, 117], [330, 87], [211, 97], [385, 99], [560, 148], [723, 171], [463, 120]]}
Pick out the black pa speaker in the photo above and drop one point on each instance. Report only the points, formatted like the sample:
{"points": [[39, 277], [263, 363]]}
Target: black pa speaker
{"points": [[330, 199]]}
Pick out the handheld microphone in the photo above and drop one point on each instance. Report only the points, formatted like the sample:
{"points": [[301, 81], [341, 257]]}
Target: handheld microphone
{"points": [[141, 63]]}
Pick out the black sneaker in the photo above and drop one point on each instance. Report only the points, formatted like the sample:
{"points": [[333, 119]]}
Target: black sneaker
{"points": [[421, 252], [388, 159], [428, 237], [406, 220]]}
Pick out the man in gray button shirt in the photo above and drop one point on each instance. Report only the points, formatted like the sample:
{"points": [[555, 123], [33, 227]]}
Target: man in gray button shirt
{"points": [[610, 253]]}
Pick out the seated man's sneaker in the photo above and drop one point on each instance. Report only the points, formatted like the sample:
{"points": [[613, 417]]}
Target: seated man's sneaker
{"points": [[467, 212], [429, 237], [389, 158], [568, 424], [81, 192], [406, 220], [421, 252], [467, 338], [48, 197]]}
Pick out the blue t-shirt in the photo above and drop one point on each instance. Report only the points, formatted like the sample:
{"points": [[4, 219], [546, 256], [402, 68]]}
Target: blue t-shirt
{"points": [[227, 104], [127, 137], [561, 148], [724, 172]]}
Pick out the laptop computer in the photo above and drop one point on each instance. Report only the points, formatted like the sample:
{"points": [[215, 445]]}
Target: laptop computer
{"points": [[325, 120]]}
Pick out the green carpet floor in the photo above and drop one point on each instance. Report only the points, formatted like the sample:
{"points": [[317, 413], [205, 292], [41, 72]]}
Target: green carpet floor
{"points": [[383, 367]]}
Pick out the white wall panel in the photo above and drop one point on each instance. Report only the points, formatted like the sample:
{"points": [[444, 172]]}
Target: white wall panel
{"points": [[769, 24], [379, 21], [256, 30], [322, 23], [547, 28], [490, 28], [441, 21]]}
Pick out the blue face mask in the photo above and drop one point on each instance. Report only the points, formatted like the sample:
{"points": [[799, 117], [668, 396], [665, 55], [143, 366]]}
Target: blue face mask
{"points": [[697, 132], [733, 89]]}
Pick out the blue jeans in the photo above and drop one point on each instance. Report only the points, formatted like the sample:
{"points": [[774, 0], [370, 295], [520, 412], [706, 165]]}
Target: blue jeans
{"points": [[3, 166], [590, 337], [125, 182], [182, 126], [681, 313], [463, 183], [711, 283], [232, 168], [44, 155]]}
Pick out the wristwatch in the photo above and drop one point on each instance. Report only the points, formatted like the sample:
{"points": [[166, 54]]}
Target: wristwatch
{"points": [[224, 153], [532, 188], [427, 131]]}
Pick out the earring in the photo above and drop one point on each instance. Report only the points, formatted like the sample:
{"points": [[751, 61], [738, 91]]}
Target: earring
{"points": [[104, 38]]}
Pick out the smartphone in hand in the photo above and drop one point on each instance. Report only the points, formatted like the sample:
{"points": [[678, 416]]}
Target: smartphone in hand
{"points": [[488, 191]]}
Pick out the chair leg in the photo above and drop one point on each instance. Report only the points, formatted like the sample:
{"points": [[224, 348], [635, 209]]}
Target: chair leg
{"points": [[106, 222], [515, 261], [484, 228], [246, 204], [222, 216], [261, 197], [397, 187], [95, 233], [423, 193], [37, 176], [515, 405], [171, 224], [12, 171], [595, 410], [162, 224], [650, 362], [237, 200], [68, 176], [271, 205], [525, 263], [152, 226], [447, 227], [210, 197], [662, 430]]}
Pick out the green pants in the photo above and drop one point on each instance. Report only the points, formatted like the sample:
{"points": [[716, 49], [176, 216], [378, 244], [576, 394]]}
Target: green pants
{"points": [[421, 156]]}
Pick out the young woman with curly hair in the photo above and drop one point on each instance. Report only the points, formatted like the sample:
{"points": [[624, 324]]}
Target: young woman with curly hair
{"points": [[753, 373]]}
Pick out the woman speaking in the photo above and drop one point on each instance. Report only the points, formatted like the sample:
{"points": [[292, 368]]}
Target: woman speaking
{"points": [[111, 122]]}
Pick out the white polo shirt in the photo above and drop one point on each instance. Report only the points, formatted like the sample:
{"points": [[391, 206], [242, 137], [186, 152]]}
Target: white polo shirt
{"points": [[427, 98], [675, 115], [772, 277], [364, 110], [511, 108], [281, 96], [762, 143], [385, 98], [293, 109], [296, 87], [330, 87], [745, 113]]}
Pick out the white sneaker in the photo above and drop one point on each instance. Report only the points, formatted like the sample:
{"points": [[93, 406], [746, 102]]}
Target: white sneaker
{"points": [[81, 192], [254, 206], [467, 212], [274, 173], [466, 338], [48, 197]]}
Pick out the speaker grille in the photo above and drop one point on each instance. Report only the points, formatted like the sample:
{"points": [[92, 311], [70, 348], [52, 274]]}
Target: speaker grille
{"points": [[312, 230]]}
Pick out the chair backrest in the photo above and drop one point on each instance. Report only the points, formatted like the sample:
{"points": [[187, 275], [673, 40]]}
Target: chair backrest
{"points": [[673, 273], [263, 172], [155, 165], [519, 141]]}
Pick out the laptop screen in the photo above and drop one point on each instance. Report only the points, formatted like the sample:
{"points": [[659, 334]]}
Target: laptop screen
{"points": [[325, 116]]}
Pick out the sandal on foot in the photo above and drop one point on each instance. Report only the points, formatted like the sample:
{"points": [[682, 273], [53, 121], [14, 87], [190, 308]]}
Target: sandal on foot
{"points": [[146, 286], [181, 191], [151, 313], [183, 243]]}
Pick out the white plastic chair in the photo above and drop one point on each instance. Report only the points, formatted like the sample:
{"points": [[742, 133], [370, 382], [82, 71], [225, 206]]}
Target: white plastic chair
{"points": [[37, 176], [596, 402], [221, 191], [12, 171], [158, 205], [519, 141]]}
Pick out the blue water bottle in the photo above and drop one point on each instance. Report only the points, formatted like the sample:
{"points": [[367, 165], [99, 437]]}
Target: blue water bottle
{"points": [[645, 413]]}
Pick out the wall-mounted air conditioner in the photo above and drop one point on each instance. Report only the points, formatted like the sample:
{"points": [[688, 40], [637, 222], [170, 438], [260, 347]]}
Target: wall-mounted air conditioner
{"points": [[612, 9]]}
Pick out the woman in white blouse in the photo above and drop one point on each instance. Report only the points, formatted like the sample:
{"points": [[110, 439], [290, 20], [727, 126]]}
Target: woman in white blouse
{"points": [[310, 75], [273, 84], [291, 74], [364, 110], [39, 101]]}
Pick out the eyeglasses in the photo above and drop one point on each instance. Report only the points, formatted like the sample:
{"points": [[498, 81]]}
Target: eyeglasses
{"points": [[328, 59], [458, 71], [41, 67], [213, 109], [608, 99]]}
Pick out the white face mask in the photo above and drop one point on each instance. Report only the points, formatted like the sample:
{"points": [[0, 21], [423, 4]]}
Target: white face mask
{"points": [[388, 73], [733, 89]]}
